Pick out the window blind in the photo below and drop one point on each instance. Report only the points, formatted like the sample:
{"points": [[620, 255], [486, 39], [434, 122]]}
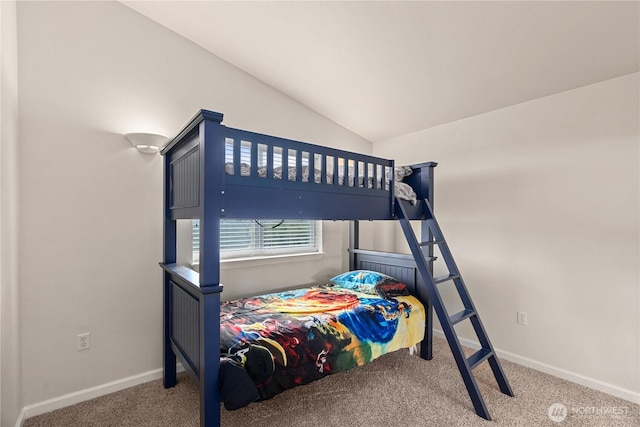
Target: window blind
{"points": [[254, 238]]}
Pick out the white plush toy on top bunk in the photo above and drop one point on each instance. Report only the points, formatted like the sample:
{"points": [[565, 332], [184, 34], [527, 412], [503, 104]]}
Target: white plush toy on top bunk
{"points": [[403, 190]]}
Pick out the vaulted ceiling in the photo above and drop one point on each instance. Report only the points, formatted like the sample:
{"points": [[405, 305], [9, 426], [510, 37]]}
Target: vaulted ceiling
{"points": [[389, 68]]}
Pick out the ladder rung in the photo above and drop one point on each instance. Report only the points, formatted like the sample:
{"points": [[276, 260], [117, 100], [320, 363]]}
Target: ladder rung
{"points": [[459, 317], [446, 278], [427, 257], [432, 242], [479, 356]]}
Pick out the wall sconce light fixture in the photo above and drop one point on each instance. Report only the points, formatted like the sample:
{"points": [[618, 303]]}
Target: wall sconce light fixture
{"points": [[148, 143]]}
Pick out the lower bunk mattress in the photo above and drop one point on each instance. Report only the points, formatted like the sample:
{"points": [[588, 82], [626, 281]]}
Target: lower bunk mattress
{"points": [[274, 342]]}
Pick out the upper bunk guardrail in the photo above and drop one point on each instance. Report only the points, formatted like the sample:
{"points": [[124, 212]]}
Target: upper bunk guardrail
{"points": [[262, 160], [248, 173]]}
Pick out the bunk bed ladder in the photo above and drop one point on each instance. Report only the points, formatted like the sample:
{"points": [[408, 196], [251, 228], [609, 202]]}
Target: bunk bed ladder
{"points": [[423, 262]]}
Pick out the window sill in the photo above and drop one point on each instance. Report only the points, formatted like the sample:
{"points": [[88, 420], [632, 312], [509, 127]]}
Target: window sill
{"points": [[265, 260]]}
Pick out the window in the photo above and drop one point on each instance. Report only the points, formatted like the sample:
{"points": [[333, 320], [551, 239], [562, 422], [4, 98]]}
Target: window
{"points": [[257, 238]]}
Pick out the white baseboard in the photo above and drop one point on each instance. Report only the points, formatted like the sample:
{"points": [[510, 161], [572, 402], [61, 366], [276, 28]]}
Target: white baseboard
{"points": [[104, 389], [87, 394], [628, 395]]}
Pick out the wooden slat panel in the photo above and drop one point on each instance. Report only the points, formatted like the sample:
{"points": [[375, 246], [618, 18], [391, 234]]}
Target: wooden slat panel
{"points": [[185, 173], [401, 267], [186, 326]]}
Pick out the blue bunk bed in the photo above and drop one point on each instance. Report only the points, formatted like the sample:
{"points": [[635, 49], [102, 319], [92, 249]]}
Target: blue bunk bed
{"points": [[213, 171]]}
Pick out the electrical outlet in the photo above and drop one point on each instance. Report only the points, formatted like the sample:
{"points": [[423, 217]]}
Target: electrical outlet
{"points": [[83, 342], [521, 318]]}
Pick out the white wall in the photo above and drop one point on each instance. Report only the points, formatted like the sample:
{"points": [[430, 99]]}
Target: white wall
{"points": [[539, 201], [91, 205], [10, 362], [540, 205]]}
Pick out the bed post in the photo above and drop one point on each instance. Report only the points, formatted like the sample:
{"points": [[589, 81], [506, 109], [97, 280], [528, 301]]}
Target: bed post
{"points": [[354, 242], [426, 352], [421, 180], [211, 209], [169, 257]]}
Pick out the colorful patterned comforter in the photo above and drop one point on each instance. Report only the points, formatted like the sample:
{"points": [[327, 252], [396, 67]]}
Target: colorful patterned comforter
{"points": [[294, 337]]}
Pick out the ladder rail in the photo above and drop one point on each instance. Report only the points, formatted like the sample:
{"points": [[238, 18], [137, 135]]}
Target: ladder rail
{"points": [[447, 322]]}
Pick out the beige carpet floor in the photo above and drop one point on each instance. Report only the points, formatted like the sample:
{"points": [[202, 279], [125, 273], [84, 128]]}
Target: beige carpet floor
{"points": [[395, 390]]}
